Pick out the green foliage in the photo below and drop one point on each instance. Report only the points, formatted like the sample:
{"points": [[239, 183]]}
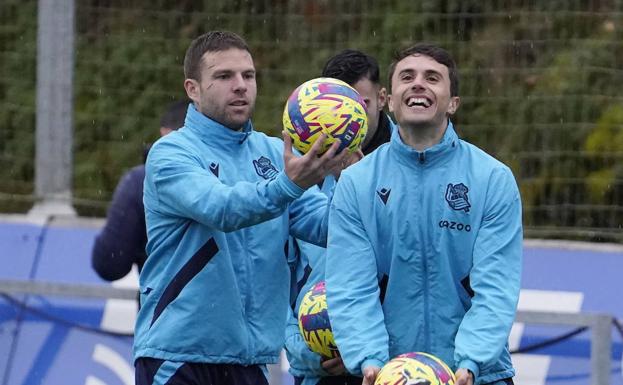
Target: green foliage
{"points": [[605, 143], [540, 84], [608, 133], [17, 95]]}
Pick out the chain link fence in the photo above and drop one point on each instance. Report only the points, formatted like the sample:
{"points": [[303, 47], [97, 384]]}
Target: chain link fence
{"points": [[540, 87]]}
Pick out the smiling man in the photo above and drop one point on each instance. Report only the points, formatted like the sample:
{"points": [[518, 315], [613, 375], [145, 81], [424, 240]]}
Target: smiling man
{"points": [[425, 238], [220, 202]]}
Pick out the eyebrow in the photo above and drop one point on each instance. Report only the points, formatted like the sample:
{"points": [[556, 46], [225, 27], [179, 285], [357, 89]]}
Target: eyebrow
{"points": [[222, 71], [228, 71], [426, 72], [429, 72]]}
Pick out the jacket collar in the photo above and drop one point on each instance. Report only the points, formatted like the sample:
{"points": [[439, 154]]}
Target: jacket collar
{"points": [[431, 155], [210, 131]]}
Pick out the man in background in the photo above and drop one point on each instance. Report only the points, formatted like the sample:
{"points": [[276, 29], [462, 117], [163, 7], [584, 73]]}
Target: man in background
{"points": [[121, 243], [360, 71]]}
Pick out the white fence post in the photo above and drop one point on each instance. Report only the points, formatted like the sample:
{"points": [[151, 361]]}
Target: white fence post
{"points": [[601, 338], [55, 68]]}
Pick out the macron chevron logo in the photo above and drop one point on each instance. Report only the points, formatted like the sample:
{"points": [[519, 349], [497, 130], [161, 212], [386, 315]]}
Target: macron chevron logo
{"points": [[214, 168], [384, 194]]}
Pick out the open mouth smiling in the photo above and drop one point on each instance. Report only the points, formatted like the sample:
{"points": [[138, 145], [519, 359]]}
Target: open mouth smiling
{"points": [[419, 102]]}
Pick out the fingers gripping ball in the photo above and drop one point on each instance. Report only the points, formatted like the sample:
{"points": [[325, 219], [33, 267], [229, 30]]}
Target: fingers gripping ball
{"points": [[314, 322], [415, 368], [325, 105]]}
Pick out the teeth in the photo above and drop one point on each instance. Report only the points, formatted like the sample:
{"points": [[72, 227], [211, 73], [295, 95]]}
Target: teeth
{"points": [[418, 101]]}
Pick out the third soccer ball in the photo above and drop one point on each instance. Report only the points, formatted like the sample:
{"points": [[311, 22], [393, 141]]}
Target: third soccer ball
{"points": [[415, 368]]}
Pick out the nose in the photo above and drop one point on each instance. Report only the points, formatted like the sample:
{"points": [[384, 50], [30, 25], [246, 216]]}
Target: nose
{"points": [[239, 85], [418, 82]]}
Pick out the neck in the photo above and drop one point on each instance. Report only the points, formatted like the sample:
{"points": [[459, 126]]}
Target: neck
{"points": [[370, 135], [228, 125], [422, 138]]}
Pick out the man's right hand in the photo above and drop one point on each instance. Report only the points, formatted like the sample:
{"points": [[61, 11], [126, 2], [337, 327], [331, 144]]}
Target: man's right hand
{"points": [[311, 169], [369, 374], [334, 366]]}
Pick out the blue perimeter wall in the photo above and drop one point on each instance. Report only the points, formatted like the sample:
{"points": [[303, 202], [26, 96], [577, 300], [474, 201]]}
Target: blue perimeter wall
{"points": [[36, 350]]}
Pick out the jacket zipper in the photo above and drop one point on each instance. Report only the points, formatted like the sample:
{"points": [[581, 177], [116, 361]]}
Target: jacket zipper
{"points": [[421, 170]]}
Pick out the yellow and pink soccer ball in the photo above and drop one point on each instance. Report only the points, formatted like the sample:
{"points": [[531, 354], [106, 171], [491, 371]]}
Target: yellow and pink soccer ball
{"points": [[325, 105], [415, 368], [314, 322]]}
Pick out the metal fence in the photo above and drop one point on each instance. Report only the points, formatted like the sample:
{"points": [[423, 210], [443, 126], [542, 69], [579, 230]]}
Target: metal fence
{"points": [[540, 88], [600, 325]]}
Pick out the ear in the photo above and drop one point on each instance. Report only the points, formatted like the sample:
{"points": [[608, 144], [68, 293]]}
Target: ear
{"points": [[455, 101], [192, 89], [165, 130], [382, 96]]}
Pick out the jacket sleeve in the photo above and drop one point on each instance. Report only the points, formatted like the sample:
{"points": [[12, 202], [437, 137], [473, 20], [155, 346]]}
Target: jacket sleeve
{"points": [[184, 188], [303, 362], [495, 277], [352, 287], [309, 217], [121, 242]]}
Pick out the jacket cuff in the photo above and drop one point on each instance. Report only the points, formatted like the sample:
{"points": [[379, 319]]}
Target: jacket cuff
{"points": [[471, 366], [299, 372], [371, 362], [287, 187]]}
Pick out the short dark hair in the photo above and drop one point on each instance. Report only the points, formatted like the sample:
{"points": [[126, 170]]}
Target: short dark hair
{"points": [[350, 66], [209, 42], [437, 53], [175, 114]]}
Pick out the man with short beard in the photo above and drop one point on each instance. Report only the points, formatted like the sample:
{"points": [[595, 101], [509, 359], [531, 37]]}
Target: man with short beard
{"points": [[220, 202]]}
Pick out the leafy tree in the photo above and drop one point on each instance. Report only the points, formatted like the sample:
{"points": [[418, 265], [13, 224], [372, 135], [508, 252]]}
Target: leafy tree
{"points": [[539, 86]]}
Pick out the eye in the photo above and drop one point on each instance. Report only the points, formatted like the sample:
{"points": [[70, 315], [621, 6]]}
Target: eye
{"points": [[432, 78], [406, 77]]}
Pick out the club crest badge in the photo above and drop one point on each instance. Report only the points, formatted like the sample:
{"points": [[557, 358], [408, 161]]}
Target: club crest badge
{"points": [[264, 168], [456, 196]]}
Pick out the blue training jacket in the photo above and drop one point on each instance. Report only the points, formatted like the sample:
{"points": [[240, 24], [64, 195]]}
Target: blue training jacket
{"points": [[219, 208], [442, 229]]}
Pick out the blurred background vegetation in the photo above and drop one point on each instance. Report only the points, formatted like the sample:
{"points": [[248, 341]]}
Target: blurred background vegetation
{"points": [[540, 86]]}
